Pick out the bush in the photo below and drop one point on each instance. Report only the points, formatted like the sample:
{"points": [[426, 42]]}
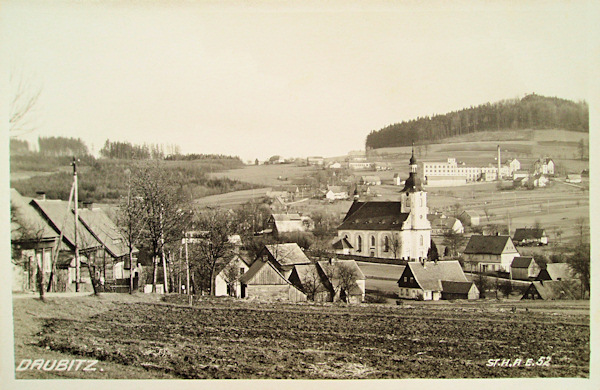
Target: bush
{"points": [[374, 298]]}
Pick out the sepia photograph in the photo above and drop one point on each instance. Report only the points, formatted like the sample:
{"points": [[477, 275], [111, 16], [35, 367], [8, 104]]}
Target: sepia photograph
{"points": [[261, 190]]}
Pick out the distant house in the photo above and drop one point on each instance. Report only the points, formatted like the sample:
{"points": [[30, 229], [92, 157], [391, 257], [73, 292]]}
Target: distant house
{"points": [[359, 165], [264, 282], [315, 160], [520, 175], [285, 223], [354, 292], [336, 193], [540, 180], [554, 290], [383, 166], [397, 179], [513, 165], [524, 268], [33, 243], [441, 224], [311, 280], [284, 256], [335, 165], [530, 236], [342, 246], [470, 217], [435, 281], [370, 180], [544, 166], [555, 271], [573, 178], [490, 253], [227, 281]]}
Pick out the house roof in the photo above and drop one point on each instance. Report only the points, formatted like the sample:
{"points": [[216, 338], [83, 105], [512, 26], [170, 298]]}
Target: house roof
{"points": [[105, 230], [337, 189], [370, 178], [438, 222], [493, 245], [431, 275], [456, 287], [309, 273], [288, 222], [527, 234], [222, 265], [342, 243], [521, 262], [27, 217], [558, 289], [559, 271], [351, 264], [374, 216], [287, 254], [61, 218], [255, 268]]}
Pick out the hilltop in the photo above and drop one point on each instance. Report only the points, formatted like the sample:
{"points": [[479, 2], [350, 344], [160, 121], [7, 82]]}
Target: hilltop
{"points": [[531, 112]]}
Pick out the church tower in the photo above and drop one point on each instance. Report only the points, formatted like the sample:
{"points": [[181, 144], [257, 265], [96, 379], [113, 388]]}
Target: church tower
{"points": [[414, 202]]}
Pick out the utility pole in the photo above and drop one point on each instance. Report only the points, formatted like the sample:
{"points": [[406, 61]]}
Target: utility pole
{"points": [[187, 266], [77, 260]]}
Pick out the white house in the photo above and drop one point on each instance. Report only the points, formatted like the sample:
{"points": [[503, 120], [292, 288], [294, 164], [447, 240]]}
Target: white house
{"points": [[370, 180], [513, 166], [432, 281], [573, 178], [336, 193], [227, 281], [544, 166], [490, 253], [390, 229]]}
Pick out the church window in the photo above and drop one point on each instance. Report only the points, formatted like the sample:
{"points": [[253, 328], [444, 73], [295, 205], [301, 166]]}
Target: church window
{"points": [[421, 202], [421, 240], [386, 244], [372, 241], [359, 244]]}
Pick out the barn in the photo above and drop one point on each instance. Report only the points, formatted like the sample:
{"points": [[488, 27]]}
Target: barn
{"points": [[555, 271], [264, 282], [524, 268]]}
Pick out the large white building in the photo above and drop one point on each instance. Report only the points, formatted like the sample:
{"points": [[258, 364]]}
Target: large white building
{"points": [[396, 230], [448, 173]]}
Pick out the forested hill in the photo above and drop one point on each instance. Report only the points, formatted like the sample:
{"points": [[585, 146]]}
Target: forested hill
{"points": [[531, 112]]}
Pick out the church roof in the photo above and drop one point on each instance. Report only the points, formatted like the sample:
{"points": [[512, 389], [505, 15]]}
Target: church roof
{"points": [[374, 216]]}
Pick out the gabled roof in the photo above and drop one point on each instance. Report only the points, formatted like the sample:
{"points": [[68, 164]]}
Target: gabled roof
{"points": [[528, 234], [236, 257], [351, 264], [286, 217], [431, 275], [493, 245], [558, 289], [560, 271], [337, 189], [521, 262], [287, 254], [472, 213], [28, 218], [255, 268], [370, 178], [60, 218], [456, 287], [374, 216], [309, 273], [438, 222], [105, 230], [342, 243]]}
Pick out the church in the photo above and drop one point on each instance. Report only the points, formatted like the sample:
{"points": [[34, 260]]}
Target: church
{"points": [[394, 230]]}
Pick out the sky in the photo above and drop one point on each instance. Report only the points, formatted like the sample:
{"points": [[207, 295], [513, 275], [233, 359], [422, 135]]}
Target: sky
{"points": [[296, 79]]}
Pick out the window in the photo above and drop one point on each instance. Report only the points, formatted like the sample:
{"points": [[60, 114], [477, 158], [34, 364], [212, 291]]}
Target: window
{"points": [[421, 239], [386, 244], [372, 241], [359, 244]]}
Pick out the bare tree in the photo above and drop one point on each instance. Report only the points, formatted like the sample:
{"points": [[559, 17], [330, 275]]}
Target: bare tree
{"points": [[215, 246], [22, 106], [163, 210], [347, 280], [482, 283], [312, 284], [452, 242], [231, 274], [579, 262], [506, 288], [396, 245]]}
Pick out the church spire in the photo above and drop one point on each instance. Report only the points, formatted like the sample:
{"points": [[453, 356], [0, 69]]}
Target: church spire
{"points": [[413, 183]]}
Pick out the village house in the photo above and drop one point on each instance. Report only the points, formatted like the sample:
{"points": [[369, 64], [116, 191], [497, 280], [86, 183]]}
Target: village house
{"points": [[530, 236], [342, 246], [434, 281], [227, 281], [340, 288], [397, 179], [470, 217], [441, 224], [490, 253], [33, 243], [370, 180], [391, 229], [573, 178], [359, 165], [315, 160], [287, 223], [263, 281], [383, 166], [520, 175], [544, 166], [284, 256], [540, 180], [336, 193], [553, 290], [524, 268], [335, 165], [311, 280], [555, 271], [513, 166], [91, 250]]}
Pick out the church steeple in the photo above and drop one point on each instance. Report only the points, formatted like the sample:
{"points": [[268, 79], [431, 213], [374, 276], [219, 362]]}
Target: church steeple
{"points": [[413, 183]]}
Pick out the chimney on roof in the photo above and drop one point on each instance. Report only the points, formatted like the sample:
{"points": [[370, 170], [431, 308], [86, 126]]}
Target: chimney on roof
{"points": [[41, 195]]}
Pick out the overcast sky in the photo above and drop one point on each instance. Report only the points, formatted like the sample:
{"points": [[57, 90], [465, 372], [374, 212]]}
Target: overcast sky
{"points": [[258, 79]]}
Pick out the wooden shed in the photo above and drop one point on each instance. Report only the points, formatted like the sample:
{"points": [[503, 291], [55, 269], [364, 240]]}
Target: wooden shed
{"points": [[263, 281], [553, 290]]}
